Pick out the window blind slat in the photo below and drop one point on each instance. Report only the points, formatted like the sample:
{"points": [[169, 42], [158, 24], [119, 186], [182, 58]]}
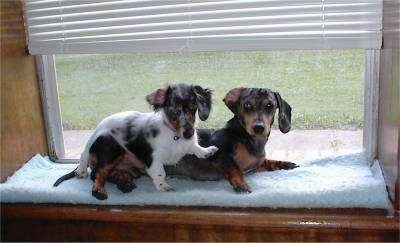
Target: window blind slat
{"points": [[352, 7], [194, 24], [212, 44], [230, 19], [160, 32], [141, 19], [234, 16], [67, 8], [62, 26], [85, 16], [233, 35], [204, 29]]}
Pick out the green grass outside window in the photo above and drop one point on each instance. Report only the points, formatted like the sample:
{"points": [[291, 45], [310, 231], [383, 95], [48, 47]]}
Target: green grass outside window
{"points": [[324, 88]]}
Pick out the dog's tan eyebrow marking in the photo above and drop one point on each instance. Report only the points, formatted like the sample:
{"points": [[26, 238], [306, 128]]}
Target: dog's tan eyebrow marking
{"points": [[267, 101], [251, 101]]}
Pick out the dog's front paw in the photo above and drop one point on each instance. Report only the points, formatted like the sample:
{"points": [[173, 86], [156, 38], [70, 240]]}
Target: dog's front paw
{"points": [[211, 151], [164, 187], [238, 183], [283, 165], [271, 165], [207, 152], [242, 188]]}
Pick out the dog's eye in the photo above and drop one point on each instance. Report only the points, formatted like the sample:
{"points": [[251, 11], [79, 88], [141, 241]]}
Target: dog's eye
{"points": [[268, 107], [247, 106]]}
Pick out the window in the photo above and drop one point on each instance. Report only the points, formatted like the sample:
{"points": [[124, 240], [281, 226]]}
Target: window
{"points": [[325, 89], [219, 33]]}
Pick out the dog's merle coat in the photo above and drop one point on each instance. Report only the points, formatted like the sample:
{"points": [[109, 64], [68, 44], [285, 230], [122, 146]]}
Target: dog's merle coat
{"points": [[146, 141]]}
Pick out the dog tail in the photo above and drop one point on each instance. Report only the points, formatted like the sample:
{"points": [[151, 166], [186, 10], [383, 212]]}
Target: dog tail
{"points": [[65, 177]]}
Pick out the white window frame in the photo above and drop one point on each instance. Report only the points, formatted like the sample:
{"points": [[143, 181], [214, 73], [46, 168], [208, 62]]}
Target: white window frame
{"points": [[54, 131], [47, 77]]}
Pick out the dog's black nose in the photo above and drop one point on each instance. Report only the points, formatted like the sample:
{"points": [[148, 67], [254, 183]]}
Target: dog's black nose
{"points": [[258, 129]]}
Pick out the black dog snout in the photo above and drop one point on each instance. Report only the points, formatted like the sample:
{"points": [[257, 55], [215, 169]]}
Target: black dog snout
{"points": [[258, 129], [188, 133]]}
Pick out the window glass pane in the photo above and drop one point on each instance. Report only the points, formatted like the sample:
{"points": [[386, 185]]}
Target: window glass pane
{"points": [[324, 88]]}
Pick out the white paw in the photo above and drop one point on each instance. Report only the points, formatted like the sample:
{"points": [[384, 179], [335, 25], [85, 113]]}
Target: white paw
{"points": [[81, 173], [164, 187], [207, 152]]}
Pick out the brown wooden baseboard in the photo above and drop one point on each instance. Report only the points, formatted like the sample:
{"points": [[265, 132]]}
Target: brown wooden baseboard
{"points": [[29, 222]]}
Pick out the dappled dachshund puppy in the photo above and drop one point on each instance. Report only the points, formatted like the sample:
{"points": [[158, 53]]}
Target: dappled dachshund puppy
{"points": [[146, 140], [242, 141]]}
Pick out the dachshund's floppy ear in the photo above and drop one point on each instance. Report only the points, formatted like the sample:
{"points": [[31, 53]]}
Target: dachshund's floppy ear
{"points": [[231, 99], [157, 98], [285, 114], [203, 101]]}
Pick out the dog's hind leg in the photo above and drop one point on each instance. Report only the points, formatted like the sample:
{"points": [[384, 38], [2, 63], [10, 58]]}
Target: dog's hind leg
{"points": [[123, 179], [122, 174], [85, 160], [108, 154], [270, 165], [100, 176]]}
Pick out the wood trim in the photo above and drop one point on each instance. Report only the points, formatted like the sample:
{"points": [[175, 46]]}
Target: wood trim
{"points": [[389, 112], [22, 126], [115, 223]]}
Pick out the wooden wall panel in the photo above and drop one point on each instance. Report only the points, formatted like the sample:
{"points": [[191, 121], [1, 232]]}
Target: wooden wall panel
{"points": [[111, 223], [60, 230], [389, 105], [22, 125]]}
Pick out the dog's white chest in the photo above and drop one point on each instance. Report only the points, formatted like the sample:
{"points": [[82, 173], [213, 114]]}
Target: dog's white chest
{"points": [[167, 149], [171, 151]]}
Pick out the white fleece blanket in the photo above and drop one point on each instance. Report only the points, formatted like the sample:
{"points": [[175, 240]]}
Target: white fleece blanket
{"points": [[342, 181]]}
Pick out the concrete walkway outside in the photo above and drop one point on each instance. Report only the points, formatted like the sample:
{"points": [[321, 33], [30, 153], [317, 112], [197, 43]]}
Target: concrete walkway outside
{"points": [[293, 146]]}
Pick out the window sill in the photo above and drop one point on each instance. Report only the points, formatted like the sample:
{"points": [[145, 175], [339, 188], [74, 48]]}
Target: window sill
{"points": [[43, 222]]}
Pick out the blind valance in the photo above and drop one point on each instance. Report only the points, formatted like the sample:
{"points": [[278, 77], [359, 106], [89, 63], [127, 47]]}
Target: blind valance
{"points": [[98, 26]]}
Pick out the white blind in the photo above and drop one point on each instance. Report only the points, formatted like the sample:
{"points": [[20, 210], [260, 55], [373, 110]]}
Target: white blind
{"points": [[98, 26]]}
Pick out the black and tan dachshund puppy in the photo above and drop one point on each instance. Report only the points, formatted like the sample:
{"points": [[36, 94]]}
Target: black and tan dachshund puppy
{"points": [[242, 141]]}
